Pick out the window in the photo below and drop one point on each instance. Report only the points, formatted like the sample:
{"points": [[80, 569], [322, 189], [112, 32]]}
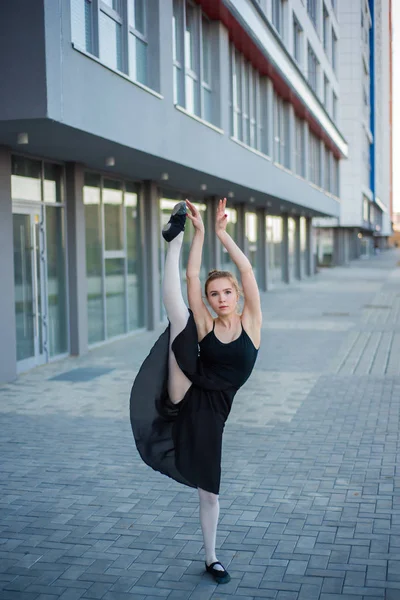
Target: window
{"points": [[334, 107], [327, 170], [206, 89], [326, 92], [312, 11], [249, 103], [117, 31], [333, 2], [335, 176], [299, 147], [365, 209], [192, 49], [312, 69], [297, 40], [334, 50], [110, 34], [281, 132], [138, 42], [314, 159], [277, 16], [89, 42], [325, 31]]}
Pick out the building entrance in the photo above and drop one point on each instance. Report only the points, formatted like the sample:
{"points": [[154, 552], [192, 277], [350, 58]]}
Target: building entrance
{"points": [[29, 287]]}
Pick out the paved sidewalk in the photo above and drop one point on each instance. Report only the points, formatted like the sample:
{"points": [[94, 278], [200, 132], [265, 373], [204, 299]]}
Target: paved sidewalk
{"points": [[310, 505]]}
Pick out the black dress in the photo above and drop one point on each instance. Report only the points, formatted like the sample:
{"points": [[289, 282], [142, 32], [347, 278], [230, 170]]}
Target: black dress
{"points": [[184, 440]]}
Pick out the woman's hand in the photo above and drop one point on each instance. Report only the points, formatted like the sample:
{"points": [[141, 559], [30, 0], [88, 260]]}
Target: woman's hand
{"points": [[221, 220], [195, 216]]}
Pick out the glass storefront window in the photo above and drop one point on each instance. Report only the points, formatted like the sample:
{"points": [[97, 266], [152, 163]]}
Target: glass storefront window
{"points": [[134, 259], [232, 228], [292, 248], [274, 232], [52, 192], [94, 258], [113, 263], [26, 179], [113, 215], [303, 245], [115, 296], [252, 240], [324, 243], [56, 281]]}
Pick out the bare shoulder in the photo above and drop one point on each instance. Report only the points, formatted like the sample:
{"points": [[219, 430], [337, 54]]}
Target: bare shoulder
{"points": [[252, 327]]}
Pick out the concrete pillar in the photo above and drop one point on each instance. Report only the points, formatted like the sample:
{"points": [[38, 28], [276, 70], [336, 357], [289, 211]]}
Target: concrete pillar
{"points": [[309, 248], [8, 341], [285, 248], [262, 258], [211, 240], [297, 249], [77, 280], [151, 213]]}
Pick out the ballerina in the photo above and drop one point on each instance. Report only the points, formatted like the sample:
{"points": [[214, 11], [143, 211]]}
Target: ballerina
{"points": [[183, 393]]}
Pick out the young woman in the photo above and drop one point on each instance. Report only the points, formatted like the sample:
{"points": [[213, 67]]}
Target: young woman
{"points": [[184, 390]]}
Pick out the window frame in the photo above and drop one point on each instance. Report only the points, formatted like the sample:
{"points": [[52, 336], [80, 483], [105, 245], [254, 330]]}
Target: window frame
{"points": [[313, 12], [118, 19], [312, 77], [297, 40], [277, 17], [334, 42]]}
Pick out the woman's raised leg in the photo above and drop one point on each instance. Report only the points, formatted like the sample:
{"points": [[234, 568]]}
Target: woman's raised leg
{"points": [[178, 314]]}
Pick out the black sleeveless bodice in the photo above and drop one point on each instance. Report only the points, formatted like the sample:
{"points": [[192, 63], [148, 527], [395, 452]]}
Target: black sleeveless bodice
{"points": [[184, 441], [234, 361]]}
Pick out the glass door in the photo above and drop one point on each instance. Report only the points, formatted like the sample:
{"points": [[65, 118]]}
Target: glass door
{"points": [[28, 286]]}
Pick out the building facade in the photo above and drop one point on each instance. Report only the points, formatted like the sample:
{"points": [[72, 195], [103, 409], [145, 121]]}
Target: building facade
{"points": [[113, 110], [365, 86]]}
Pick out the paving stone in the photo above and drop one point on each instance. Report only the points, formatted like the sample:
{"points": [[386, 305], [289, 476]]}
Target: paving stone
{"points": [[310, 503]]}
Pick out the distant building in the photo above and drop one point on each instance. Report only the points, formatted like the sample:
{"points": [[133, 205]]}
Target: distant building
{"points": [[365, 121]]}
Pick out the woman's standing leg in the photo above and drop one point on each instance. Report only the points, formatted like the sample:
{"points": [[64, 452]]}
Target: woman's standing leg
{"points": [[178, 314], [209, 514]]}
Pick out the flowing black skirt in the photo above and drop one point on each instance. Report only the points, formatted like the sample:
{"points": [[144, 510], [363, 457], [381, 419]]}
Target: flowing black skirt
{"points": [[183, 441]]}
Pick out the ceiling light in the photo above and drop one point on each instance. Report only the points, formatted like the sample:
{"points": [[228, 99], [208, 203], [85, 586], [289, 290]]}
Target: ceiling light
{"points": [[110, 161], [252, 199], [164, 176], [23, 138], [231, 195], [203, 187]]}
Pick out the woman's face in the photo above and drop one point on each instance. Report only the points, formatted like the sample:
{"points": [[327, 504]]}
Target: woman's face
{"points": [[222, 296]]}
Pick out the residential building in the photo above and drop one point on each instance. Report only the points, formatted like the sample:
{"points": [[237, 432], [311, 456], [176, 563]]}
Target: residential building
{"points": [[113, 110], [364, 63]]}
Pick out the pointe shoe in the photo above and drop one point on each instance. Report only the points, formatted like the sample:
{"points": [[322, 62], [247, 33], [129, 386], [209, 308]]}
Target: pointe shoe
{"points": [[176, 224]]}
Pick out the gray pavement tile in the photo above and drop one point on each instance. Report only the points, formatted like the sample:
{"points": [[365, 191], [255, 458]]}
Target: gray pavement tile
{"points": [[310, 491]]}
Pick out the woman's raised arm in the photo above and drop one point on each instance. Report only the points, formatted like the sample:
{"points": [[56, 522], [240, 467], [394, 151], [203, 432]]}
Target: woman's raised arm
{"points": [[252, 303], [201, 314]]}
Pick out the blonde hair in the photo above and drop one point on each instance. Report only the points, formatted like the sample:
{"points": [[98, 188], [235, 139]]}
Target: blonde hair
{"points": [[215, 274]]}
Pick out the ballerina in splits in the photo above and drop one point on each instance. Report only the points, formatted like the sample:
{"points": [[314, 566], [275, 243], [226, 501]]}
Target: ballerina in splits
{"points": [[184, 390]]}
